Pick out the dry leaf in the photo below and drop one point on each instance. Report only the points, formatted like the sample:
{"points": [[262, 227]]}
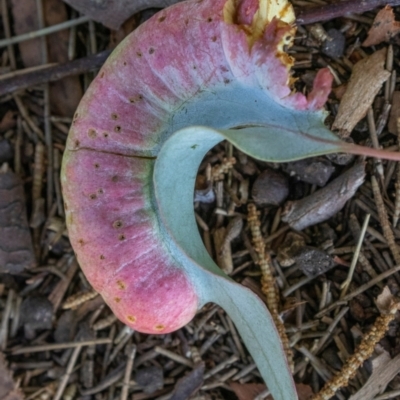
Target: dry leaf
{"points": [[112, 13], [66, 93], [247, 391], [394, 113], [386, 301], [384, 27], [365, 82], [304, 391], [8, 391]]}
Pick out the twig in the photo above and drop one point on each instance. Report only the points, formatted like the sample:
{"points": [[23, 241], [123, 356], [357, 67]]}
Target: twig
{"points": [[397, 184], [375, 142], [173, 356], [5, 318], [340, 9], [58, 346], [43, 32], [345, 285], [49, 73], [361, 289], [384, 220], [128, 371], [71, 365], [7, 31]]}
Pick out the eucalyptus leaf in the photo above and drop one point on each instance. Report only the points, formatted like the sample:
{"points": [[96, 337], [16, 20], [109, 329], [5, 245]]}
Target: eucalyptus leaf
{"points": [[175, 172]]}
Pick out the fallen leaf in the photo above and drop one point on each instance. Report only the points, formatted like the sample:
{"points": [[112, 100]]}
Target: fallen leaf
{"points": [[8, 390], [386, 301], [304, 392], [66, 93], [384, 27], [247, 391], [112, 13], [365, 82]]}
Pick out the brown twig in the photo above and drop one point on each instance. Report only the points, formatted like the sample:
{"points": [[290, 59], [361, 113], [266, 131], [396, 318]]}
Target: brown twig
{"points": [[26, 78], [340, 9]]}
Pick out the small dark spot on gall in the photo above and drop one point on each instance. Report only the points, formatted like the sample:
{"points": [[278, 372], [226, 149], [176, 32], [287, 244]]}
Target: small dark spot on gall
{"points": [[117, 129], [100, 191], [91, 133], [117, 299], [77, 143], [140, 97], [194, 67], [114, 178], [76, 115], [93, 196], [105, 134], [96, 165], [186, 22], [121, 285], [81, 242], [159, 327], [226, 81], [214, 38], [125, 63], [102, 257], [102, 75], [209, 19], [139, 54], [151, 50], [161, 19], [131, 318], [65, 206], [117, 224], [114, 116], [121, 237]]}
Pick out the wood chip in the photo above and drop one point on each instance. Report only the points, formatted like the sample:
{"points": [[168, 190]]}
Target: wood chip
{"points": [[384, 28], [366, 80], [324, 203]]}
